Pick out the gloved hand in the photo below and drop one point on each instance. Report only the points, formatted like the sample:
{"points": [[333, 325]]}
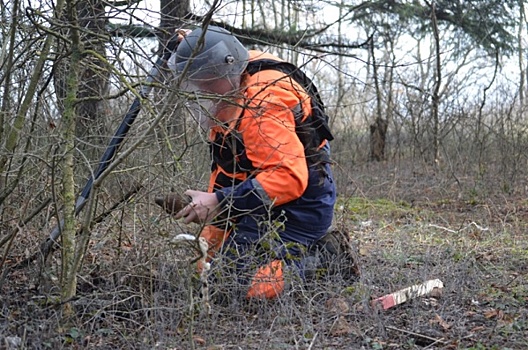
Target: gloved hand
{"points": [[172, 202], [202, 208], [172, 43]]}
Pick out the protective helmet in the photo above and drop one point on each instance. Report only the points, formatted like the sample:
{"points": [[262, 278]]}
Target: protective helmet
{"points": [[219, 55]]}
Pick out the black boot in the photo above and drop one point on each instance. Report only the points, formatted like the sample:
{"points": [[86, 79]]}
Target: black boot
{"points": [[338, 255]]}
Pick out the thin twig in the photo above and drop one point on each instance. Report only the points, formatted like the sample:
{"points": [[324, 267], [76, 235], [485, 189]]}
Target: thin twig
{"points": [[462, 229], [48, 245], [434, 343], [313, 341], [441, 340], [24, 222]]}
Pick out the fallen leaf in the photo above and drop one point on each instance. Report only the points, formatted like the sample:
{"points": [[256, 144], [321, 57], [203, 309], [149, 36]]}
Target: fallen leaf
{"points": [[454, 345], [337, 305], [199, 340], [504, 289], [477, 329], [363, 251], [358, 307], [494, 313], [340, 327], [436, 293], [438, 319]]}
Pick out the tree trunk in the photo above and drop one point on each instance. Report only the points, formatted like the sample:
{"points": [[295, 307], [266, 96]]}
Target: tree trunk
{"points": [[173, 13], [520, 50], [378, 134], [68, 275], [435, 98], [93, 73], [11, 138], [378, 130]]}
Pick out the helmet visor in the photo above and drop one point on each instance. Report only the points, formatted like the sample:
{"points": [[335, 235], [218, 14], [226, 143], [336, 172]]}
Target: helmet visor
{"points": [[223, 86], [203, 111]]}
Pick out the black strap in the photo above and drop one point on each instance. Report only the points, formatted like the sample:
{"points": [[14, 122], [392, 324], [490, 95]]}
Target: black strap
{"points": [[319, 119]]}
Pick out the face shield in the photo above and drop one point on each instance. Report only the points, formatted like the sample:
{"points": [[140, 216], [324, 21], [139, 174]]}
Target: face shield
{"points": [[208, 65], [202, 111], [209, 101]]}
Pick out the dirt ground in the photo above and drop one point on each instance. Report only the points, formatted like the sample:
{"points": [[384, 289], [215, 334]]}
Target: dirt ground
{"points": [[409, 226]]}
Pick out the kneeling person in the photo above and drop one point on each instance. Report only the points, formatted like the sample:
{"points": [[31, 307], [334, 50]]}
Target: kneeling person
{"points": [[266, 185]]}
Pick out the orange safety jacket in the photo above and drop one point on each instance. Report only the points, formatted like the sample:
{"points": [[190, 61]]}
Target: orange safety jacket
{"points": [[259, 167]]}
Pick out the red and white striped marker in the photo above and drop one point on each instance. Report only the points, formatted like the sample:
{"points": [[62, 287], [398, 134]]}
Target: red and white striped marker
{"points": [[403, 295]]}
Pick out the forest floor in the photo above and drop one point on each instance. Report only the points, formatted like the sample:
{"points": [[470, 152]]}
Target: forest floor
{"points": [[409, 227]]}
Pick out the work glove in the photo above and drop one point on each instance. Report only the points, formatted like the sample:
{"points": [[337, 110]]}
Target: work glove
{"points": [[172, 43]]}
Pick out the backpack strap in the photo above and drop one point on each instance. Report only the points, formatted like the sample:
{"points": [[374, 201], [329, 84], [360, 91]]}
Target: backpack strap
{"points": [[318, 119]]}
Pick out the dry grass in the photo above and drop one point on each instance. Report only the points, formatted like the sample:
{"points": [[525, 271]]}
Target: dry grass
{"points": [[137, 291]]}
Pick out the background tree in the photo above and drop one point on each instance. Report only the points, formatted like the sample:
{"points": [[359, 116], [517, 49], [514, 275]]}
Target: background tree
{"points": [[520, 52], [173, 15], [94, 75], [69, 118], [486, 26]]}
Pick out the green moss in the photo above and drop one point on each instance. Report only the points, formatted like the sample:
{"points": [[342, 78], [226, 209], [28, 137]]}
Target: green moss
{"points": [[364, 208]]}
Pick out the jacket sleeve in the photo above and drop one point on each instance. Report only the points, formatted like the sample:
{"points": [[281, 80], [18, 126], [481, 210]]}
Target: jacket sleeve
{"points": [[268, 131]]}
